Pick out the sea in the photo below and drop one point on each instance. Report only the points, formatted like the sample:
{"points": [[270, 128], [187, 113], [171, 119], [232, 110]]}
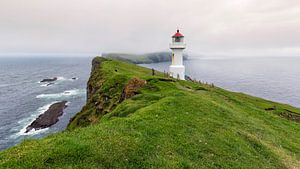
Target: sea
{"points": [[23, 97]]}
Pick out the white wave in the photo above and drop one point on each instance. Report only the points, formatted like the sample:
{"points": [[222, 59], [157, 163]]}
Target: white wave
{"points": [[31, 132], [47, 84], [67, 93], [27, 121], [60, 78]]}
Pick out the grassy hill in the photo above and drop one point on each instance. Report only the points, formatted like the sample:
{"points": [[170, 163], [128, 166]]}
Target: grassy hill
{"points": [[135, 120], [155, 57]]}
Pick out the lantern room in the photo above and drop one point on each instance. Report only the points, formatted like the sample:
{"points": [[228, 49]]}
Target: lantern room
{"points": [[177, 37]]}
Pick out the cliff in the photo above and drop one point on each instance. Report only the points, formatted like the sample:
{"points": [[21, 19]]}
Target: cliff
{"points": [[135, 120]]}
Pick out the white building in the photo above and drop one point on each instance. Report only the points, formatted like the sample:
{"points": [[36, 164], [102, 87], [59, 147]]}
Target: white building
{"points": [[177, 69]]}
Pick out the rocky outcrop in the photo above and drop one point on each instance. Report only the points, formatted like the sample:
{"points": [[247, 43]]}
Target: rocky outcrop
{"points": [[96, 62], [188, 78], [132, 88], [49, 80], [49, 117]]}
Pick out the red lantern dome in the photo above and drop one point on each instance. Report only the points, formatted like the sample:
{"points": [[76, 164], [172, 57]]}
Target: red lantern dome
{"points": [[177, 34]]}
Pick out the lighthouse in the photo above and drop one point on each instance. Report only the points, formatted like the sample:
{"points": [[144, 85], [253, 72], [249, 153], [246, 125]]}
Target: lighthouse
{"points": [[177, 69]]}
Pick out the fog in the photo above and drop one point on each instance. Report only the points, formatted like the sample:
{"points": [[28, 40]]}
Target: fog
{"points": [[214, 27]]}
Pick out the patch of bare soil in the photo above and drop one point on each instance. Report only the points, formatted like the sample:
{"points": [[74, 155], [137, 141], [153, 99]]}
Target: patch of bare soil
{"points": [[132, 88], [290, 116], [287, 114]]}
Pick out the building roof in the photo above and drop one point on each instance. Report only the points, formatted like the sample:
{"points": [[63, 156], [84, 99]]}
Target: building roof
{"points": [[177, 34]]}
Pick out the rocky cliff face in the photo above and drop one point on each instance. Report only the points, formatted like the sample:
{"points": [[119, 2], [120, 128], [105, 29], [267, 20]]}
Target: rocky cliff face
{"points": [[104, 95], [91, 89]]}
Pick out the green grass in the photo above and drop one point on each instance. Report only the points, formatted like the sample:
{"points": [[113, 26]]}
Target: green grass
{"points": [[169, 124]]}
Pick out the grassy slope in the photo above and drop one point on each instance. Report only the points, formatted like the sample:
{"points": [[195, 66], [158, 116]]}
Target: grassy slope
{"points": [[170, 124]]}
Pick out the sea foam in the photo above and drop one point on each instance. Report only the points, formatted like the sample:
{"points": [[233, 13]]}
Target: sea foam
{"points": [[65, 94], [60, 79]]}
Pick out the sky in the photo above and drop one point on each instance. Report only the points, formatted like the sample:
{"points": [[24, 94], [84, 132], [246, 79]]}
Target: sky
{"points": [[211, 27]]}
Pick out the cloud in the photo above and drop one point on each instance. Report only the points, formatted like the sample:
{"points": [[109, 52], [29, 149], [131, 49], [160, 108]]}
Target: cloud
{"points": [[240, 27]]}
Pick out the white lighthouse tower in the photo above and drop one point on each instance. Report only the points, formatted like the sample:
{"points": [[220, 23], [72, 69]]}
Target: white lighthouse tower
{"points": [[177, 69]]}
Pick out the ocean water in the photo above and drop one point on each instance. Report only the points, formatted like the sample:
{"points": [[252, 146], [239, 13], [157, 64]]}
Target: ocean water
{"points": [[23, 98], [272, 78]]}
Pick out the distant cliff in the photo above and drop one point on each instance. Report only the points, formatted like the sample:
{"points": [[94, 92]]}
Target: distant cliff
{"points": [[155, 57]]}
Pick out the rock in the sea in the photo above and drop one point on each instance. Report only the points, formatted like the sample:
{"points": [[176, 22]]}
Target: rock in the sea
{"points": [[49, 117], [49, 80]]}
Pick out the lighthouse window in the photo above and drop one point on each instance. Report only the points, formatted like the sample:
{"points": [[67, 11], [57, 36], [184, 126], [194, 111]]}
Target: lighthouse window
{"points": [[177, 39], [172, 58]]}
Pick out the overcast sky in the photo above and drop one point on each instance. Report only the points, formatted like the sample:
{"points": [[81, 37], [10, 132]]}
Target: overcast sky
{"points": [[211, 27]]}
